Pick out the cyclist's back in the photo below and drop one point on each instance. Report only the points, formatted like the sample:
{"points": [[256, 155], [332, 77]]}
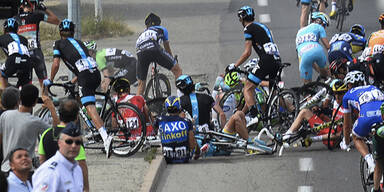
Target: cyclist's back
{"points": [[343, 45], [375, 44], [366, 99]]}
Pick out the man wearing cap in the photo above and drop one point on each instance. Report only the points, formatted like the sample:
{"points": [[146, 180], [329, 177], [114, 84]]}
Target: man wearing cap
{"points": [[68, 112], [62, 172]]}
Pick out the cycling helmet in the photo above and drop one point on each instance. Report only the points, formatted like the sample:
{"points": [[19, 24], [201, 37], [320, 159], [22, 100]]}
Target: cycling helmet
{"points": [[152, 20], [172, 104], [232, 79], [338, 86], [338, 64], [185, 84], [381, 19], [29, 3], [357, 29], [251, 64], [121, 85], [322, 16], [11, 25], [91, 45], [67, 25], [246, 13], [354, 77]]}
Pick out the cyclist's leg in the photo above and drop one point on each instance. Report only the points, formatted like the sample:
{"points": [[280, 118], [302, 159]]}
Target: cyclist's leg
{"points": [[237, 124], [8, 70], [332, 14], [143, 59], [24, 73], [304, 13], [322, 5], [167, 61], [105, 82], [305, 66], [321, 61], [38, 61]]}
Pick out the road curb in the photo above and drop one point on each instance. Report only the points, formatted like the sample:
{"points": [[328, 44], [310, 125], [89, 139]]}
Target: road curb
{"points": [[152, 177]]}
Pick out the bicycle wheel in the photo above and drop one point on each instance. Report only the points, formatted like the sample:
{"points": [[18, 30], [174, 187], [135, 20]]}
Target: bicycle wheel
{"points": [[156, 106], [366, 183], [341, 15], [45, 115], [156, 89], [282, 111], [128, 127]]}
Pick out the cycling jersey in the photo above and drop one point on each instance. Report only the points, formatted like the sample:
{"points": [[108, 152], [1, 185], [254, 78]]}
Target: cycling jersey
{"points": [[367, 100], [148, 50], [174, 132], [76, 57], [265, 47], [15, 47], [375, 44], [343, 45], [309, 49], [205, 104]]}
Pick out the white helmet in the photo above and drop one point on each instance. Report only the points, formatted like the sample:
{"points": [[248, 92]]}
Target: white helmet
{"points": [[251, 64], [354, 77]]}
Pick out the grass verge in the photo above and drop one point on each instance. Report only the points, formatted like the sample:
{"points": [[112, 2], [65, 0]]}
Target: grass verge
{"points": [[150, 155]]}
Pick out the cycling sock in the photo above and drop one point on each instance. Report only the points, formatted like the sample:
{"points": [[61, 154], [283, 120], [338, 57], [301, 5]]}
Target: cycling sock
{"points": [[333, 6], [317, 138], [253, 111], [369, 160], [103, 133], [288, 132]]}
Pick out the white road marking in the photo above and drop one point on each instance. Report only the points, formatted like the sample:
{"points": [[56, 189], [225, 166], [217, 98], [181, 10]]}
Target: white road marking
{"points": [[306, 164], [264, 18], [304, 189], [380, 4], [262, 3]]}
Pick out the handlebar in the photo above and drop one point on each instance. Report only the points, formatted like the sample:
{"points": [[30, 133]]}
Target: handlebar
{"points": [[68, 88]]}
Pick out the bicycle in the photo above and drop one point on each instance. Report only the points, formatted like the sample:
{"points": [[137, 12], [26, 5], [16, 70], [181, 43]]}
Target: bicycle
{"points": [[158, 86], [314, 7], [342, 12], [128, 133]]}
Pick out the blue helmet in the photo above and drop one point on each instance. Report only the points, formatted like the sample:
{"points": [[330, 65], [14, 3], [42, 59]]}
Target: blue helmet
{"points": [[322, 16], [357, 29], [66, 25], [246, 13], [172, 104], [185, 84], [11, 25]]}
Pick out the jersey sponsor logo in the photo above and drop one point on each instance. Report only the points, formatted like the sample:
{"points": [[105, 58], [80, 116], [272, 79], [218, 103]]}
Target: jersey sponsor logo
{"points": [[341, 37], [173, 130], [309, 37], [27, 28]]}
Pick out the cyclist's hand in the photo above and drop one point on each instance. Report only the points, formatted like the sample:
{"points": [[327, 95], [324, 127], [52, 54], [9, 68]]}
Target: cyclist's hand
{"points": [[344, 146], [47, 82], [230, 67], [41, 6]]}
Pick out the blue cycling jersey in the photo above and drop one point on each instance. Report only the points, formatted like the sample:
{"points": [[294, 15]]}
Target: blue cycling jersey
{"points": [[366, 99], [344, 44]]}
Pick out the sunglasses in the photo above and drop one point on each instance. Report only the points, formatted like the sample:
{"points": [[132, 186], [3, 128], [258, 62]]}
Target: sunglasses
{"points": [[70, 141]]}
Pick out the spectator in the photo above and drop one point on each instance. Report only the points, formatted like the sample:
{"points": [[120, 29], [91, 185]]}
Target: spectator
{"points": [[19, 128], [68, 112], [10, 99], [21, 165], [62, 172]]}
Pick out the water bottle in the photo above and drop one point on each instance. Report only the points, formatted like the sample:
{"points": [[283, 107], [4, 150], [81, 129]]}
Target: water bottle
{"points": [[380, 131], [314, 99]]}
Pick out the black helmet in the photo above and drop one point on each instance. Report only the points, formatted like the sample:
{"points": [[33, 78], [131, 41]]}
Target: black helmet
{"points": [[29, 3], [152, 20], [185, 84], [11, 25], [246, 13], [121, 85], [67, 25]]}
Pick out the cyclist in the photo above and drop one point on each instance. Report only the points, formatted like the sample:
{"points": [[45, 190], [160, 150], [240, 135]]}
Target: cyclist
{"points": [[260, 37], [345, 44], [367, 100], [305, 6], [113, 62], [309, 49], [76, 57], [122, 87], [332, 14], [176, 134], [149, 50], [16, 48], [375, 41], [32, 12]]}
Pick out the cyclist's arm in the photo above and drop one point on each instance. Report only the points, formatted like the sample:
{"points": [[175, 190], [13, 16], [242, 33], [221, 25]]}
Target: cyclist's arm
{"points": [[246, 53], [325, 42], [219, 110], [74, 80], [193, 144], [49, 104], [167, 47], [147, 114], [55, 67], [52, 18], [347, 126]]}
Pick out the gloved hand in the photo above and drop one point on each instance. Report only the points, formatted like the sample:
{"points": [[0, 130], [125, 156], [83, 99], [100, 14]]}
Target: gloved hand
{"points": [[230, 67], [41, 6], [47, 82], [344, 146]]}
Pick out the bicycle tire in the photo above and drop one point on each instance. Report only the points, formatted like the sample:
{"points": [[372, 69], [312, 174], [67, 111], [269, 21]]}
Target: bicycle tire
{"points": [[150, 89], [45, 115], [333, 127], [311, 89], [278, 115], [363, 175], [341, 15], [124, 144]]}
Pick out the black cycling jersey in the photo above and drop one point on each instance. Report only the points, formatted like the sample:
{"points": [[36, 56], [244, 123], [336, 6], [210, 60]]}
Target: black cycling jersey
{"points": [[174, 132], [151, 37], [12, 43], [29, 27], [74, 54], [205, 104], [262, 40]]}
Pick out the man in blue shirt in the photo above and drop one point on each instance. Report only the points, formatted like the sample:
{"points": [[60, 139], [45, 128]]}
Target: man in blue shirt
{"points": [[21, 165]]}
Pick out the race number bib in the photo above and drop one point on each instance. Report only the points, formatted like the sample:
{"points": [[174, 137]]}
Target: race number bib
{"points": [[148, 35], [309, 37], [32, 43], [343, 37], [271, 49], [373, 95], [110, 51], [85, 64], [127, 53], [132, 122], [178, 153], [377, 49], [13, 47]]}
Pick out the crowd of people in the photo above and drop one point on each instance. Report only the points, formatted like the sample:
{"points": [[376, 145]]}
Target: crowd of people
{"points": [[61, 164]]}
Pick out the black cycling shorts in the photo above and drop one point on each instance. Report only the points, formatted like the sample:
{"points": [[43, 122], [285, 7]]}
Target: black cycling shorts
{"points": [[21, 66], [88, 82], [38, 63], [378, 147], [146, 57], [267, 69]]}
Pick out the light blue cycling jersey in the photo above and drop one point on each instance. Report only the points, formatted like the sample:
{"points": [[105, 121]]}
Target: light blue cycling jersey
{"points": [[309, 35], [367, 100]]}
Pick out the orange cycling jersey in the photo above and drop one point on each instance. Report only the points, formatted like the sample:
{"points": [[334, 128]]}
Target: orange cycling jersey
{"points": [[375, 43]]}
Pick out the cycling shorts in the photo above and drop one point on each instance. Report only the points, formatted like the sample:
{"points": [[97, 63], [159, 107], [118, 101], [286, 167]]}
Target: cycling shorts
{"points": [[362, 125], [378, 147], [38, 63], [88, 82], [340, 49], [308, 55], [156, 54], [267, 69], [19, 65]]}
